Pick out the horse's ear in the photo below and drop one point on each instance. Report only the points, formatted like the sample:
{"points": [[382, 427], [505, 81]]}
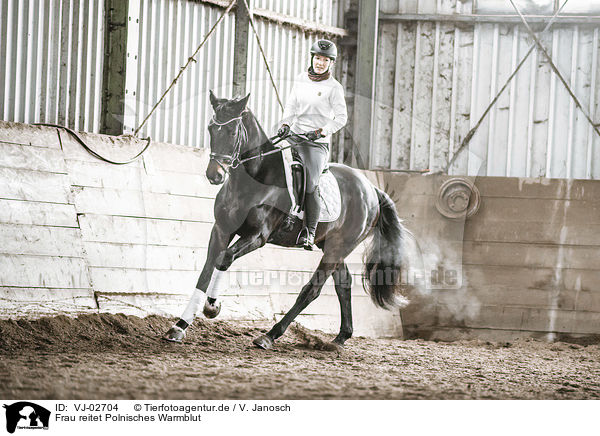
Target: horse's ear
{"points": [[245, 100], [214, 101], [240, 105]]}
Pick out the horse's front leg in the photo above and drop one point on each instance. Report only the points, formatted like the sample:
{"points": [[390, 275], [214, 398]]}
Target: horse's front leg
{"points": [[219, 240], [241, 247]]}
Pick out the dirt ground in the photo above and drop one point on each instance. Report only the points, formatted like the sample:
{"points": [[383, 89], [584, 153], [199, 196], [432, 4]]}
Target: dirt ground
{"points": [[121, 357]]}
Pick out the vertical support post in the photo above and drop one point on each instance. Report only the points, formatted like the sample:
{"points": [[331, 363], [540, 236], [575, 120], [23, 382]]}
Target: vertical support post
{"points": [[114, 70], [130, 110], [364, 89], [240, 49]]}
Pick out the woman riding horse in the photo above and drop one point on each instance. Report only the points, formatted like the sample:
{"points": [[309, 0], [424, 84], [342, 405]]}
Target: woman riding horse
{"points": [[254, 202], [316, 107]]}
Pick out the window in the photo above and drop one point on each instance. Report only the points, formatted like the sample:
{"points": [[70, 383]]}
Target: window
{"points": [[537, 7]]}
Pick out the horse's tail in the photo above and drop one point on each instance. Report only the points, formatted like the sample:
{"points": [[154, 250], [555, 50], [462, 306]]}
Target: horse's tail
{"points": [[385, 257]]}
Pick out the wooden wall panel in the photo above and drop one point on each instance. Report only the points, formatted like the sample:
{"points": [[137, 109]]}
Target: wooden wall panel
{"points": [[528, 258], [142, 204], [21, 302], [26, 185], [43, 271], [34, 158], [38, 213], [42, 260], [86, 235], [40, 240]]}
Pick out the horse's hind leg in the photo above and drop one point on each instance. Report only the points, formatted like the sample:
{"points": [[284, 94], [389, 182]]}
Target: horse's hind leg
{"points": [[343, 285], [309, 293]]}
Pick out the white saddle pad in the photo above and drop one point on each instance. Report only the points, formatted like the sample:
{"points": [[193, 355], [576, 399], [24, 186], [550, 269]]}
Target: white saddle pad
{"points": [[331, 201]]}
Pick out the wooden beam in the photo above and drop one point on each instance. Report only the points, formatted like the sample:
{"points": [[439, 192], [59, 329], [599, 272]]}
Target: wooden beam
{"points": [[366, 61], [299, 23], [501, 19], [286, 20], [240, 49], [115, 61]]}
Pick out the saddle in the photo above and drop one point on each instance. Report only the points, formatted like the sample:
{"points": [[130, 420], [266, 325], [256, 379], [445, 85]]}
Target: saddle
{"points": [[329, 191]]}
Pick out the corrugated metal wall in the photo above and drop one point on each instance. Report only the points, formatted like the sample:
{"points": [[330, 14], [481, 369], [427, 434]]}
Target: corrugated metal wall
{"points": [[169, 32], [51, 61], [435, 79], [52, 57]]}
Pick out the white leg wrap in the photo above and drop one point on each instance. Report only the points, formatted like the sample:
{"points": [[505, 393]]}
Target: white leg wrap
{"points": [[193, 306], [217, 284]]}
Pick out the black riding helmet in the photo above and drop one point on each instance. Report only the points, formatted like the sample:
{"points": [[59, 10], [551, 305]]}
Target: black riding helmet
{"points": [[324, 47]]}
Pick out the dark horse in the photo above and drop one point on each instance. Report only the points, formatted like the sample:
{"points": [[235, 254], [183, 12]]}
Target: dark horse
{"points": [[253, 204]]}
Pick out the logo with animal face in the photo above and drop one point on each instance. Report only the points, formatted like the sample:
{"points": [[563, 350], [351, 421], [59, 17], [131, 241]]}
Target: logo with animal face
{"points": [[26, 415]]}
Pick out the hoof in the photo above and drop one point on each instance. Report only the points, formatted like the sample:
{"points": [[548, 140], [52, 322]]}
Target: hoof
{"points": [[175, 334], [264, 342], [211, 311], [333, 346]]}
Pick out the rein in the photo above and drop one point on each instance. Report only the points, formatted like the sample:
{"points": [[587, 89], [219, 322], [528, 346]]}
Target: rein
{"points": [[241, 137], [277, 150]]}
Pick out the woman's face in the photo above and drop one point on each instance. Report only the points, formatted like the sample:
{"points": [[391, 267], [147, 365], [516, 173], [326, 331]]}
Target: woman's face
{"points": [[321, 64]]}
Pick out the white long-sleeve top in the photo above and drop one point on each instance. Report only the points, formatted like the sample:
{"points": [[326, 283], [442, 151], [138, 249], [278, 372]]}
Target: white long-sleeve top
{"points": [[316, 105]]}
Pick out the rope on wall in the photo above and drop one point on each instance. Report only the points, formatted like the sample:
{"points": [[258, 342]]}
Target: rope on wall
{"points": [[262, 52], [135, 133], [555, 68], [189, 61], [171, 85], [469, 136]]}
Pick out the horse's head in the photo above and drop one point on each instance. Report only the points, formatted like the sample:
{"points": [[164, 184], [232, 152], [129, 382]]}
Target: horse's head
{"points": [[227, 136]]}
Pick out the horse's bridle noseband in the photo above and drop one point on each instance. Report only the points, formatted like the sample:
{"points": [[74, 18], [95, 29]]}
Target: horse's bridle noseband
{"points": [[241, 136]]}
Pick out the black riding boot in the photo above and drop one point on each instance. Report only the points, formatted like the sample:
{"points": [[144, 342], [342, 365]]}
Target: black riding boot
{"points": [[312, 211]]}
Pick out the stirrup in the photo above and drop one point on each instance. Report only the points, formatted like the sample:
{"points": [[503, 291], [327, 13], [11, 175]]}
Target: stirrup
{"points": [[310, 241]]}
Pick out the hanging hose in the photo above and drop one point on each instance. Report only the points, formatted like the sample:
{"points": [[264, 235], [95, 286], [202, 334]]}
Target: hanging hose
{"points": [[92, 152]]}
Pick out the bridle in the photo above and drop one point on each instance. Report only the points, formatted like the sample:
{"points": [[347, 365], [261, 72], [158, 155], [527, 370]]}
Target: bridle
{"points": [[241, 137]]}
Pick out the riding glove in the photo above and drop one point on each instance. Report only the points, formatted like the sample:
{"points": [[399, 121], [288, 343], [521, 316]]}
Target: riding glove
{"points": [[314, 135], [283, 131]]}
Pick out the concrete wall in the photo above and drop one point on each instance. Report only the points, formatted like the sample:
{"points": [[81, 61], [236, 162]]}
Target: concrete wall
{"points": [[528, 258], [80, 235]]}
